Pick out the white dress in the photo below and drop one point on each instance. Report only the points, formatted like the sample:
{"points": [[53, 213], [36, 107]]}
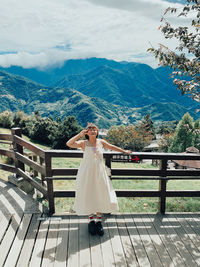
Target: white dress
{"points": [[94, 190]]}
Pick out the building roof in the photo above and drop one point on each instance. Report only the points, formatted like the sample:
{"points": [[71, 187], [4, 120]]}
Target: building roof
{"points": [[189, 163], [152, 146], [192, 149]]}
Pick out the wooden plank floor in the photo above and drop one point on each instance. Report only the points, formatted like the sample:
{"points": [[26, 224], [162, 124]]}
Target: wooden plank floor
{"points": [[129, 240], [29, 238]]}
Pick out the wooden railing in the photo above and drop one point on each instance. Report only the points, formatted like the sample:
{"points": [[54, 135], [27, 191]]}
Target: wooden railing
{"points": [[21, 159], [48, 174]]}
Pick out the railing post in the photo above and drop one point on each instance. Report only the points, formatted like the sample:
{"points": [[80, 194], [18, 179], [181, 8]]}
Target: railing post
{"points": [[35, 173], [50, 192], [17, 148], [108, 161], [162, 186], [42, 176]]}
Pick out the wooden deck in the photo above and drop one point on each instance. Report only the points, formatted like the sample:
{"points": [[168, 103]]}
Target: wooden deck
{"points": [[30, 238]]}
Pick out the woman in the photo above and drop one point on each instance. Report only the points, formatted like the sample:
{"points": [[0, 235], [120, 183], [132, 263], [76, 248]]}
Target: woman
{"points": [[94, 191]]}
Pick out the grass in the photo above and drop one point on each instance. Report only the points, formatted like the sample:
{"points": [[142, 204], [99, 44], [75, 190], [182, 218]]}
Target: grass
{"points": [[125, 204]]}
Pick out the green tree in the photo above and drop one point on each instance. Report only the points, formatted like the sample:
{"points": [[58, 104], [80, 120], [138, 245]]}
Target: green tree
{"points": [[58, 120], [127, 137], [197, 134], [65, 130], [6, 119], [19, 119], [165, 142], [148, 125], [37, 115], [43, 129], [145, 129], [184, 134], [29, 126], [166, 128], [184, 60]]}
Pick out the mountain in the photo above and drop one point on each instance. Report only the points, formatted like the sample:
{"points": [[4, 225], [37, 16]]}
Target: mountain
{"points": [[134, 85], [50, 75], [123, 83], [169, 111], [20, 93], [97, 90]]}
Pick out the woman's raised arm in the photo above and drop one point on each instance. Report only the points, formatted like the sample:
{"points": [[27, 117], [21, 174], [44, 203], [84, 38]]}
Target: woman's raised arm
{"points": [[74, 143]]}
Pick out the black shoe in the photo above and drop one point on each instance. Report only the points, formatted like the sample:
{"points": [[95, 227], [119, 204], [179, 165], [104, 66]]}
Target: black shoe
{"points": [[92, 228], [99, 228]]}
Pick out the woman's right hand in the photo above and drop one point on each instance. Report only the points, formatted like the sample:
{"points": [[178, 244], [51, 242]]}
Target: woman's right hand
{"points": [[83, 133]]}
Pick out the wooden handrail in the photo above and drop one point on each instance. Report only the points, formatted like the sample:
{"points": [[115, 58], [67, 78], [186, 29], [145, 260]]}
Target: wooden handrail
{"points": [[36, 150], [33, 182], [8, 137], [135, 193], [6, 143], [141, 155], [7, 168], [8, 153], [30, 163], [20, 159], [56, 178], [49, 174], [131, 172]]}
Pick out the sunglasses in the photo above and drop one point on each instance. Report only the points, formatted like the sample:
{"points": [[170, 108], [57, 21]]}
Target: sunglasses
{"points": [[92, 128]]}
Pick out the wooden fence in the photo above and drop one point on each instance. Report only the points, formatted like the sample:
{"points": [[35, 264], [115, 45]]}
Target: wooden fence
{"points": [[41, 164]]}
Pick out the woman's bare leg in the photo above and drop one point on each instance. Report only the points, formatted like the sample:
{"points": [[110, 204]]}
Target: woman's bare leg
{"points": [[99, 216]]}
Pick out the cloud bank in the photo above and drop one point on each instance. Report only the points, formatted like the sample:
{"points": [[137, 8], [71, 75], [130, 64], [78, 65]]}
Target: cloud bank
{"points": [[43, 33]]}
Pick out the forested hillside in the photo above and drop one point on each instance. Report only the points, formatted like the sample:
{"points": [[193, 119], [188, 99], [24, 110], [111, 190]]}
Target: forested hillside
{"points": [[99, 90]]}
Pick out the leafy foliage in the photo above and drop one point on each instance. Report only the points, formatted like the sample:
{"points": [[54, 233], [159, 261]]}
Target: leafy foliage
{"points": [[165, 141], [197, 134], [148, 126], [185, 135], [6, 119], [127, 137], [167, 127], [43, 130], [186, 59], [64, 132]]}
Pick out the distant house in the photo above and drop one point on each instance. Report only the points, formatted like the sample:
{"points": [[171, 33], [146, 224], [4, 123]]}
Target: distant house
{"points": [[153, 146], [103, 132], [185, 164]]}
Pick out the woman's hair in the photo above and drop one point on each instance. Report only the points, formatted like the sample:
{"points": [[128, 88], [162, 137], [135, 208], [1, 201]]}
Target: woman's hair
{"points": [[91, 125]]}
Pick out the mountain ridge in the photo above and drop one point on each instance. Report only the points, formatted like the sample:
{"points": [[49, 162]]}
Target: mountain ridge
{"points": [[127, 86], [107, 94]]}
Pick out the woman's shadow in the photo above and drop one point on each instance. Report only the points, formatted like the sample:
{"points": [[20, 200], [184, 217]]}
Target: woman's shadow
{"points": [[68, 240]]}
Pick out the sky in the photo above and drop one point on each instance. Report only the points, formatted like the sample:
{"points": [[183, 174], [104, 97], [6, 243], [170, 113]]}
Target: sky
{"points": [[42, 33]]}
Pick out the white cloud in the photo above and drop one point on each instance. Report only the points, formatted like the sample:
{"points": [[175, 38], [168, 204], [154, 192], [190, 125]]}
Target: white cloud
{"points": [[48, 32], [39, 60]]}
